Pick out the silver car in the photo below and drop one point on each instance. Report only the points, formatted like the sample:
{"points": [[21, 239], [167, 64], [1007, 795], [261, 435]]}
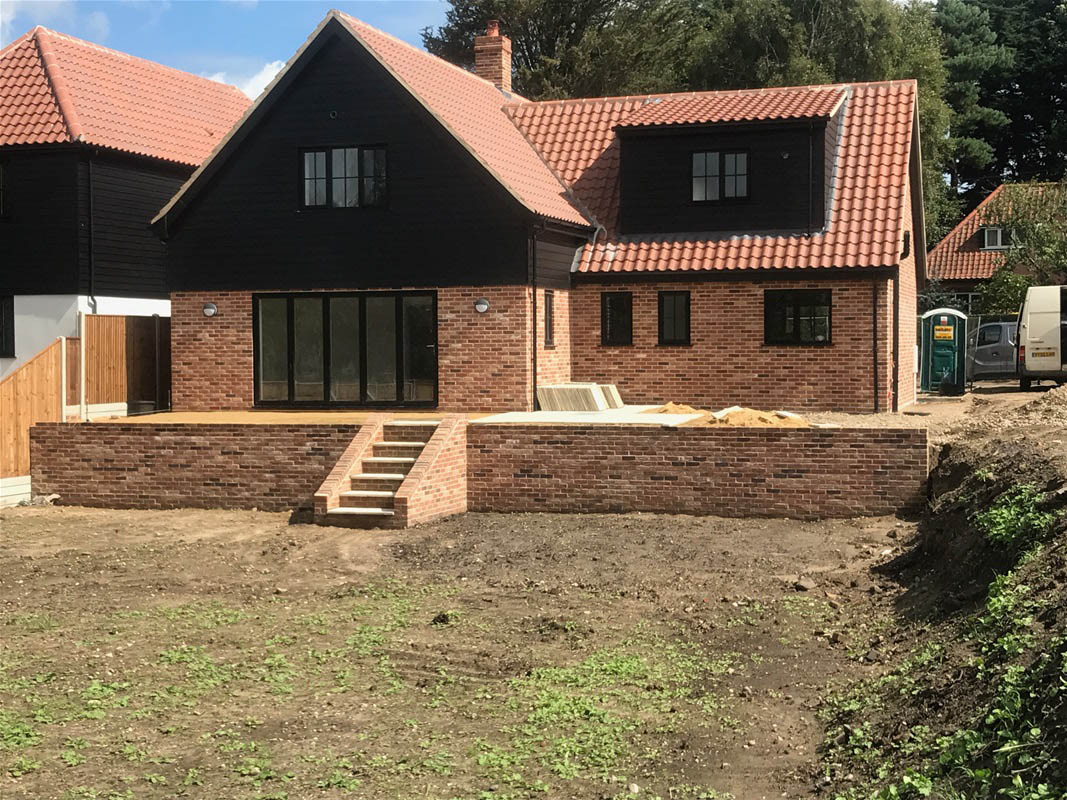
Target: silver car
{"points": [[991, 351]]}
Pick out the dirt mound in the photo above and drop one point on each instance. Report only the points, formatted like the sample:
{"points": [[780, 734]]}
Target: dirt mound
{"points": [[1048, 411], [737, 417]]}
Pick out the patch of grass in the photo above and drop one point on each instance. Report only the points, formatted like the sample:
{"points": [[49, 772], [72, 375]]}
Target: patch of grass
{"points": [[34, 622], [1014, 521]]}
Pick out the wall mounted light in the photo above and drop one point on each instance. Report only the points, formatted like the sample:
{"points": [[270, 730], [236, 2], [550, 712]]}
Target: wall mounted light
{"points": [[481, 305], [210, 309]]}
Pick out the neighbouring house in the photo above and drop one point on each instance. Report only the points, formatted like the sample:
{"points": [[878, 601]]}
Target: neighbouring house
{"points": [[969, 255], [92, 143], [383, 228]]}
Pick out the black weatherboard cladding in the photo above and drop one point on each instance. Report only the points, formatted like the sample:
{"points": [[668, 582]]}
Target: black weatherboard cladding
{"points": [[656, 170], [446, 221]]}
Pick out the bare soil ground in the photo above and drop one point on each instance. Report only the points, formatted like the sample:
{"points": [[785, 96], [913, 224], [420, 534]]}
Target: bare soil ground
{"points": [[230, 654]]}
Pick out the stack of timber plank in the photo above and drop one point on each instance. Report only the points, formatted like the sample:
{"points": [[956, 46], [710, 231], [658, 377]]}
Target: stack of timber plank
{"points": [[578, 397]]}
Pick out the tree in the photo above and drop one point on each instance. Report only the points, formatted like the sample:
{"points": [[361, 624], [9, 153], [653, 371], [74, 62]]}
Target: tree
{"points": [[1035, 214], [1004, 292], [972, 56]]}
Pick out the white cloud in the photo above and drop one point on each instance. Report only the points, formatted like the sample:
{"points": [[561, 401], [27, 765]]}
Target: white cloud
{"points": [[250, 84], [18, 16], [98, 26]]}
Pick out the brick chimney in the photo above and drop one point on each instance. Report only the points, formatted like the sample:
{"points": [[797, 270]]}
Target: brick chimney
{"points": [[492, 56]]}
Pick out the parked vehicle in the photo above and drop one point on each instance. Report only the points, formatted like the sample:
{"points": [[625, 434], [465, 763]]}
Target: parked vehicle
{"points": [[991, 350], [1043, 335]]}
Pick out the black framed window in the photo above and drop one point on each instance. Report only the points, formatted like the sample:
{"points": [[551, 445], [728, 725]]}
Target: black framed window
{"points": [[343, 177], [7, 326], [797, 316], [550, 318], [616, 318], [674, 318], [718, 175]]}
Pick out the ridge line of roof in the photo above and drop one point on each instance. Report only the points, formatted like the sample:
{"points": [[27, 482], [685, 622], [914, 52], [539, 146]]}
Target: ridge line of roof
{"points": [[966, 219], [426, 53], [58, 84], [700, 93], [39, 29]]}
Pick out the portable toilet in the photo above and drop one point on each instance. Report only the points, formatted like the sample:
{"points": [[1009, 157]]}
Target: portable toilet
{"points": [[944, 351]]}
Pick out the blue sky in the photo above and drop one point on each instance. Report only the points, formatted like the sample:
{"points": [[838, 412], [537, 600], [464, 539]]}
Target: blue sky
{"points": [[243, 42]]}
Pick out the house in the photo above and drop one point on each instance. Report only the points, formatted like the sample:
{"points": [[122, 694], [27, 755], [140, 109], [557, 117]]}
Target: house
{"points": [[383, 228], [92, 143]]}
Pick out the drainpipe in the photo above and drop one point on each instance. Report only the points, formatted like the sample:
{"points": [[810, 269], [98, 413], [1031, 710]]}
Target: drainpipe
{"points": [[92, 248], [874, 340], [895, 405], [533, 323]]}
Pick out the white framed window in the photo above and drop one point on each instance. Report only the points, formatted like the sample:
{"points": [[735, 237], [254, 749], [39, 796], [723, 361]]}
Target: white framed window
{"points": [[994, 238]]}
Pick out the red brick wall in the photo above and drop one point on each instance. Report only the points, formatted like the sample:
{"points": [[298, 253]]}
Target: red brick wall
{"points": [[269, 467], [436, 486], [211, 357], [484, 360], [727, 362], [907, 311], [554, 363], [328, 494], [730, 472]]}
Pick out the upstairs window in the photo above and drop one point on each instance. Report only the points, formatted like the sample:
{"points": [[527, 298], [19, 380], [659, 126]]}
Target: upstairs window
{"points": [[995, 238], [7, 326], [344, 177], [616, 319], [796, 316], [719, 175], [673, 318]]}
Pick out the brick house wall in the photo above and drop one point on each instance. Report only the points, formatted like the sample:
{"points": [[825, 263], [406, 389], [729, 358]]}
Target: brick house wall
{"points": [[727, 362], [554, 362], [726, 471], [436, 487], [907, 311], [484, 360], [266, 467]]}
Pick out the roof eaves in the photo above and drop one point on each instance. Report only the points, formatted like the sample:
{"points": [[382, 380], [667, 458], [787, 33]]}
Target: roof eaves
{"points": [[58, 83]]}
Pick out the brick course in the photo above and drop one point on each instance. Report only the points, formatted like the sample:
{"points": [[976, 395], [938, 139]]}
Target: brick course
{"points": [[740, 472], [727, 362], [268, 467]]}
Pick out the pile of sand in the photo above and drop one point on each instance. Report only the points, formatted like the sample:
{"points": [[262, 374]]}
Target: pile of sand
{"points": [[737, 417]]}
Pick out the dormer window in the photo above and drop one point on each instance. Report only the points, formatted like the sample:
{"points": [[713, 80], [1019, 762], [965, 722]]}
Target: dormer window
{"points": [[719, 175], [343, 177], [994, 238]]}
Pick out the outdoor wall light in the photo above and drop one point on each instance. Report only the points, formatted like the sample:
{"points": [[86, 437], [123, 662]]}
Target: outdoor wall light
{"points": [[481, 305], [210, 309]]}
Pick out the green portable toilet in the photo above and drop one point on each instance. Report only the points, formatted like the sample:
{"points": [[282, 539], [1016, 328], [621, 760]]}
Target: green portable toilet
{"points": [[944, 351]]}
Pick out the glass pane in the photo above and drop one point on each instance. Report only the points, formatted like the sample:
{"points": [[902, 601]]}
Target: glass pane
{"points": [[320, 192], [742, 163], [698, 164], [699, 192], [309, 165], [742, 186], [379, 164], [351, 192], [381, 349], [338, 166], [320, 164], [338, 200], [307, 349], [351, 162], [730, 167], [273, 344], [420, 353], [309, 193], [713, 164], [344, 349], [711, 191], [730, 190]]}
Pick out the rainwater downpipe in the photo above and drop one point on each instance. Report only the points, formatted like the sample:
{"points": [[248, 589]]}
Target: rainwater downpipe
{"points": [[874, 339], [92, 248], [533, 322]]}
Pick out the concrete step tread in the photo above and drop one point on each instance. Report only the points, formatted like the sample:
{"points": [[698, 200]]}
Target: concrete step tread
{"points": [[378, 476], [412, 423], [362, 512], [390, 459], [400, 444], [367, 493]]}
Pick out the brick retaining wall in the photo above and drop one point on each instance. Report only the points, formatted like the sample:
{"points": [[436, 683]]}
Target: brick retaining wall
{"points": [[731, 472], [269, 467]]}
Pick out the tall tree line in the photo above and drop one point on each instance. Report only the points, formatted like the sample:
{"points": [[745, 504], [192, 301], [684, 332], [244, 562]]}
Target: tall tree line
{"points": [[992, 73]]}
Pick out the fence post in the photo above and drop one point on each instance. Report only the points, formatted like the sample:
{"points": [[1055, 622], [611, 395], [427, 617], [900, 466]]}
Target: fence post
{"points": [[62, 378]]}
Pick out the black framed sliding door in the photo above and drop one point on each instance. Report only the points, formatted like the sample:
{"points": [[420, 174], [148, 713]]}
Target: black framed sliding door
{"points": [[333, 349]]}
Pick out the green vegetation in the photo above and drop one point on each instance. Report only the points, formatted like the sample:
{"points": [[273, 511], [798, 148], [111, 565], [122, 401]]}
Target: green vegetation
{"points": [[1014, 520]]}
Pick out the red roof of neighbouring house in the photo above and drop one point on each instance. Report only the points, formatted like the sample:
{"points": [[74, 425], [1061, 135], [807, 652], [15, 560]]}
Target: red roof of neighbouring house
{"points": [[761, 105], [561, 160], [58, 89], [867, 192], [959, 256]]}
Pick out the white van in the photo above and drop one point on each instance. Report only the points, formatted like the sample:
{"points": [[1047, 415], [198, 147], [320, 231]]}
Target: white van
{"points": [[1042, 339]]}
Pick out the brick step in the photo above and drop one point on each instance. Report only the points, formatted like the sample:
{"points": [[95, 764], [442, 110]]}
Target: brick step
{"points": [[367, 498], [376, 480], [382, 464], [409, 449], [404, 430]]}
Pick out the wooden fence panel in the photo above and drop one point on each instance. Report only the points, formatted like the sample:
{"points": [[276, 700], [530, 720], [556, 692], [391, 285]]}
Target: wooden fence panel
{"points": [[29, 395], [74, 372], [105, 359]]}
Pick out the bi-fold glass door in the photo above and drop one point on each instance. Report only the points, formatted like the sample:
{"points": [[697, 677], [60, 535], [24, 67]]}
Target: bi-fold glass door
{"points": [[345, 349]]}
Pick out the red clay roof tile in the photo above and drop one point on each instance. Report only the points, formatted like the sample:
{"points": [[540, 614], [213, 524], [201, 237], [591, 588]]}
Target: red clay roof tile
{"points": [[959, 256], [738, 106], [55, 88]]}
